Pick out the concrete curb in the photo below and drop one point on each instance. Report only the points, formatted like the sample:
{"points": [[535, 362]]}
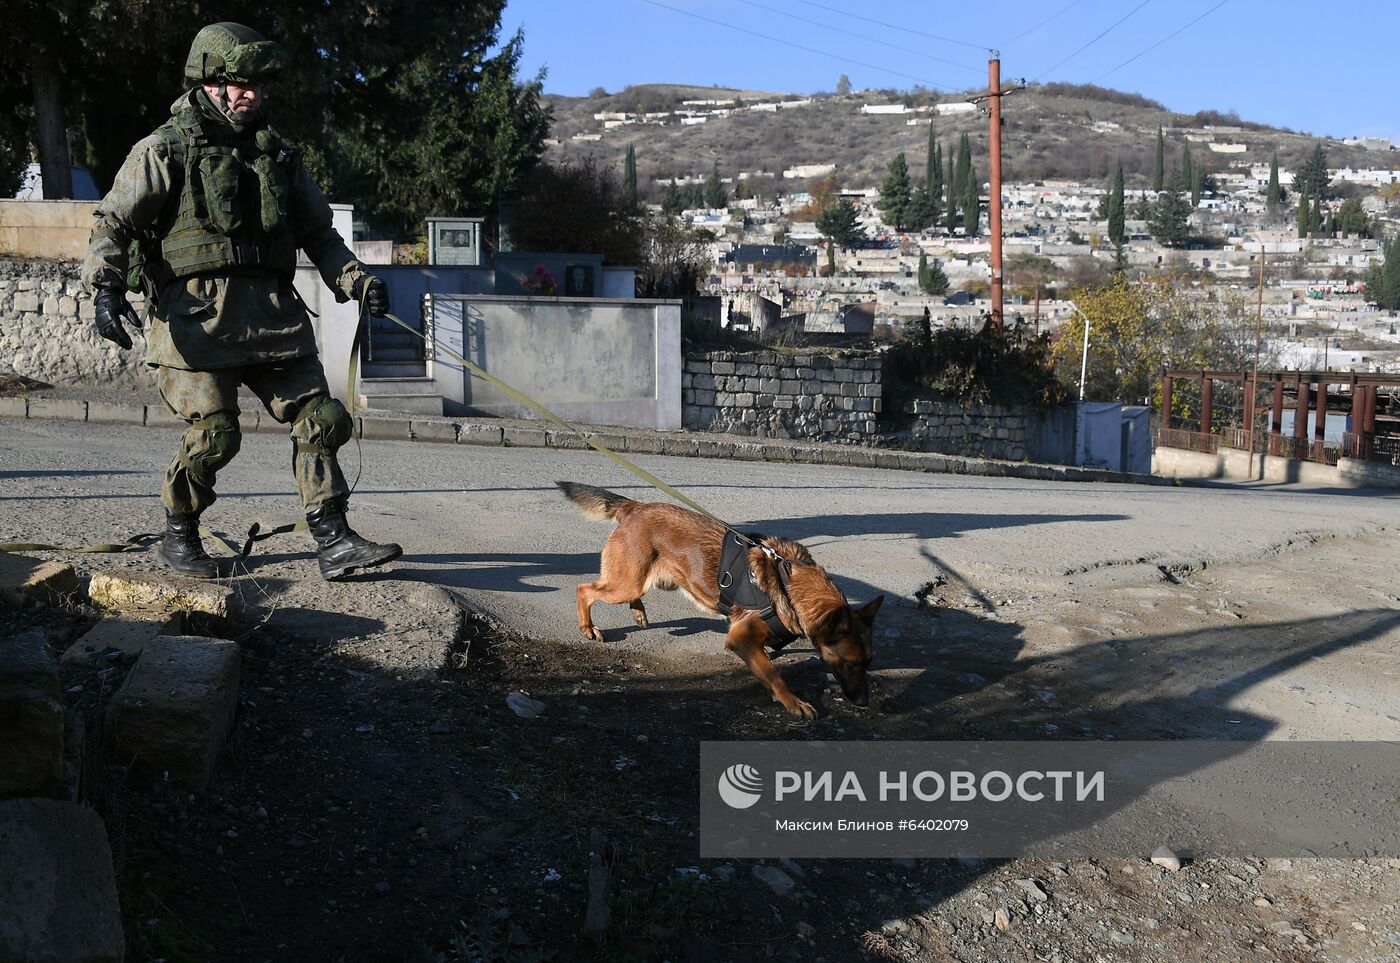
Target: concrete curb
{"points": [[502, 432]]}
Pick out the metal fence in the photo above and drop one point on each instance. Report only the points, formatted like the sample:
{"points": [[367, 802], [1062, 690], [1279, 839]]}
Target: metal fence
{"points": [[1188, 440]]}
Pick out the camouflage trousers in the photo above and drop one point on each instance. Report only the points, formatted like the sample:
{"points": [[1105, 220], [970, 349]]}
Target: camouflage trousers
{"points": [[294, 392]]}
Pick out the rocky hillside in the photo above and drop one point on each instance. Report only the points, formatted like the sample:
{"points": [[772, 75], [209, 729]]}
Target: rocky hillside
{"points": [[1051, 131]]}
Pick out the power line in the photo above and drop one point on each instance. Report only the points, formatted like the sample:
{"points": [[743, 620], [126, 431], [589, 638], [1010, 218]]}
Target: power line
{"points": [[1027, 33], [798, 46], [1160, 42], [847, 33], [1096, 39], [895, 26]]}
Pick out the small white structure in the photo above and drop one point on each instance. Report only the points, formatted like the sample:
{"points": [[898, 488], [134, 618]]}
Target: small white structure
{"points": [[883, 109], [1227, 148], [805, 171], [963, 107]]}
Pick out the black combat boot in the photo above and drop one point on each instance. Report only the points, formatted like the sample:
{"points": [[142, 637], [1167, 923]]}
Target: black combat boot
{"points": [[181, 548], [341, 550]]}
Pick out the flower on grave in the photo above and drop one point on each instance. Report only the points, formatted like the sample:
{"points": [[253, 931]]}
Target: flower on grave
{"points": [[542, 280]]}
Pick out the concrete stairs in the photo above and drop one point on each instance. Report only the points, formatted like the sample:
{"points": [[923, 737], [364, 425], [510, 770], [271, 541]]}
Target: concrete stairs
{"points": [[417, 395]]}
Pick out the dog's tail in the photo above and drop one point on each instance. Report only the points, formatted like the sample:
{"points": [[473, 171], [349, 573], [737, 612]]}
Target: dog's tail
{"points": [[598, 504]]}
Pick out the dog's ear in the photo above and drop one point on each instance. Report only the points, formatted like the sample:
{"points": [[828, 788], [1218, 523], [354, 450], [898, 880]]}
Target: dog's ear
{"points": [[866, 613]]}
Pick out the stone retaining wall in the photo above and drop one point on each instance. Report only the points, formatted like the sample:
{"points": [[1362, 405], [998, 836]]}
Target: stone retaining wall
{"points": [[47, 333], [772, 395], [987, 431]]}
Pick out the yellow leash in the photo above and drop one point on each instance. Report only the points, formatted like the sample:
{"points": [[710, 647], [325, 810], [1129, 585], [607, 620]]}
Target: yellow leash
{"points": [[550, 416], [257, 533]]}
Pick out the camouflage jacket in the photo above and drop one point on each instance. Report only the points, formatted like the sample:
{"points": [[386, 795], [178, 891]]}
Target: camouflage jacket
{"points": [[224, 318]]}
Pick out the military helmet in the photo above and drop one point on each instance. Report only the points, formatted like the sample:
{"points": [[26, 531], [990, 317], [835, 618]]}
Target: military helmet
{"points": [[231, 52]]}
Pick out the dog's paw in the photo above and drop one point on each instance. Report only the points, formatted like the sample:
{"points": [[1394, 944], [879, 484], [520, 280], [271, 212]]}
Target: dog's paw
{"points": [[641, 619], [592, 632], [803, 710]]}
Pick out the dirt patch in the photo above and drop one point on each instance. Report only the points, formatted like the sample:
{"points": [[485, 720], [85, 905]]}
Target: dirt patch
{"points": [[12, 385]]}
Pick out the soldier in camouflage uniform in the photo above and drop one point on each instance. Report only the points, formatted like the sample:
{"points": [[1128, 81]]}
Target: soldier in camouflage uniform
{"points": [[205, 218]]}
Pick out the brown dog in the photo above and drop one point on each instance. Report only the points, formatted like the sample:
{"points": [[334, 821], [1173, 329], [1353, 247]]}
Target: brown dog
{"points": [[658, 545]]}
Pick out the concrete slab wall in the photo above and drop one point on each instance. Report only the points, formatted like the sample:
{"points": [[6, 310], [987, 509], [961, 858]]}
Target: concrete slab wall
{"points": [[45, 229], [597, 360], [1233, 465]]}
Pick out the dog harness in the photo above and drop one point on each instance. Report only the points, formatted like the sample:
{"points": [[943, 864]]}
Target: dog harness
{"points": [[738, 587]]}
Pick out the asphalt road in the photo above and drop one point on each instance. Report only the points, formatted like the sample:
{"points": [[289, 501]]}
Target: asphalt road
{"points": [[490, 523]]}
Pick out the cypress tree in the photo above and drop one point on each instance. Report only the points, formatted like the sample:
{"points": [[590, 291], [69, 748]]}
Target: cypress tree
{"points": [[1116, 213], [950, 200], [937, 280], [1273, 197], [1302, 214], [629, 176], [1157, 163], [1187, 177], [931, 161], [1315, 219], [964, 165], [923, 271], [894, 194], [1197, 176], [672, 202], [715, 194], [972, 203]]}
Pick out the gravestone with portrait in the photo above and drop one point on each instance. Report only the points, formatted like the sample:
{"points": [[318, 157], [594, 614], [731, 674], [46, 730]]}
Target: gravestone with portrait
{"points": [[549, 275], [454, 240]]}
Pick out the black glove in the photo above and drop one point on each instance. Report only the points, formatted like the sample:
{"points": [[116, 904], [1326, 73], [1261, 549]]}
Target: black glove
{"points": [[371, 292], [112, 310]]}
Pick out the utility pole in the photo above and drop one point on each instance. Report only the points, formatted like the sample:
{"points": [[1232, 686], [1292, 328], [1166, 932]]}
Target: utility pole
{"points": [[994, 201], [1252, 400], [993, 97]]}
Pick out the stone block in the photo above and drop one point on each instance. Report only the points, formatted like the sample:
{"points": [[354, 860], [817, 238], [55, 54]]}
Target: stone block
{"points": [[703, 381], [871, 391], [31, 718], [438, 431], [64, 409], [26, 301], [50, 304], [751, 384], [722, 367], [747, 451], [791, 386], [58, 894], [67, 307], [473, 433], [107, 413], [713, 448], [646, 443], [87, 311], [679, 445], [746, 369], [175, 709], [159, 416], [121, 637], [743, 399], [849, 389], [520, 437], [386, 429], [24, 579], [205, 603], [14, 407], [704, 397]]}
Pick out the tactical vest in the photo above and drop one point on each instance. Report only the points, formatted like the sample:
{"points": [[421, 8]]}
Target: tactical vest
{"points": [[232, 211]]}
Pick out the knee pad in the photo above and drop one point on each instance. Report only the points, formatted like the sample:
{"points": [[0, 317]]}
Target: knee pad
{"points": [[322, 425], [210, 444]]}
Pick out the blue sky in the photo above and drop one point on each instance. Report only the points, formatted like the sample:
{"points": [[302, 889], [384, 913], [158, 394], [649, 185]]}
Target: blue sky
{"points": [[1304, 65]]}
